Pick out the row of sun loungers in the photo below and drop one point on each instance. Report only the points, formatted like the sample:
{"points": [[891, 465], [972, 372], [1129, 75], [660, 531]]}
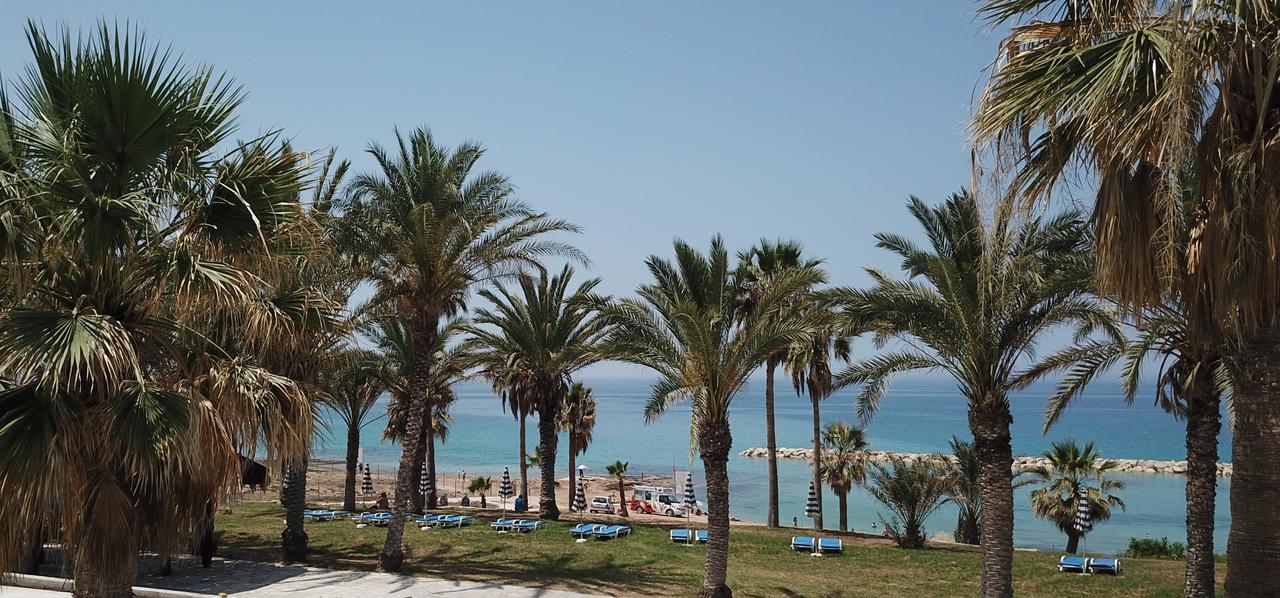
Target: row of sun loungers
{"points": [[684, 535], [825, 545], [598, 530], [1079, 564], [518, 525]]}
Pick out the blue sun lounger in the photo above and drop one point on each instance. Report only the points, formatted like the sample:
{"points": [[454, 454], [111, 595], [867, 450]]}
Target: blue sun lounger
{"points": [[681, 535], [702, 536], [341, 514], [317, 514], [504, 524], [454, 520], [802, 543], [1104, 565], [428, 519], [612, 531], [1073, 564], [583, 530], [830, 545], [528, 525]]}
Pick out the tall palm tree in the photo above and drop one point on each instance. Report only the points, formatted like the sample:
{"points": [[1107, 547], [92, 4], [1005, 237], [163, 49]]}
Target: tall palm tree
{"points": [[618, 469], [1191, 383], [120, 418], [1071, 469], [1128, 95], [430, 228], [844, 463], [393, 339], [977, 300], [912, 491], [810, 367], [540, 338], [688, 327], [757, 268], [578, 419], [352, 393], [966, 491]]}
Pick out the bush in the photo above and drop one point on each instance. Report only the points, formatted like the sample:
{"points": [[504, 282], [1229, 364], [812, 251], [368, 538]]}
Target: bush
{"points": [[1156, 549]]}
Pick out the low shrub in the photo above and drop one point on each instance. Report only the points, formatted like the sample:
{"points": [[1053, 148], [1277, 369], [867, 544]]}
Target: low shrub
{"points": [[1147, 548]]}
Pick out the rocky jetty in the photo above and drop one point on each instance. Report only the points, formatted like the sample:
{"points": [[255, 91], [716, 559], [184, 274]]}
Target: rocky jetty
{"points": [[1019, 463]]}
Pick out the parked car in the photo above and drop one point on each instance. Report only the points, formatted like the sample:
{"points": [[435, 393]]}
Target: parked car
{"points": [[602, 504], [670, 505]]}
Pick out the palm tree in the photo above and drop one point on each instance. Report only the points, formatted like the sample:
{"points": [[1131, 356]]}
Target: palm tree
{"points": [[352, 393], [757, 268], [966, 491], [120, 417], [1128, 99], [844, 463], [430, 229], [618, 469], [976, 302], [1071, 468], [1191, 383], [912, 491], [539, 339], [394, 340], [480, 485], [810, 367], [688, 327], [578, 418]]}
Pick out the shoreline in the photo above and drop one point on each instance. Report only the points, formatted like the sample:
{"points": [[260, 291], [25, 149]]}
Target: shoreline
{"points": [[1150, 466]]}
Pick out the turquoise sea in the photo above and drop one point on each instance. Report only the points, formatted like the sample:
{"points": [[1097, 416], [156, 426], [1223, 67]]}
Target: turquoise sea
{"points": [[916, 416]]}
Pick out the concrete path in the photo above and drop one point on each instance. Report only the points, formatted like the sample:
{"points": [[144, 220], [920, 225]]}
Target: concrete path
{"points": [[249, 579]]}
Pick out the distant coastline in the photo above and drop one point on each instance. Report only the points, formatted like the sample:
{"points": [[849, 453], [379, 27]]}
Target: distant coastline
{"points": [[1023, 462]]}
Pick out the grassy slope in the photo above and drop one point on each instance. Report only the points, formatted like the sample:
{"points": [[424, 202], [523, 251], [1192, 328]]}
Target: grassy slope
{"points": [[647, 563]]}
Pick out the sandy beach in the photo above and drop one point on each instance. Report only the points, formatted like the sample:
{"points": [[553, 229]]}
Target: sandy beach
{"points": [[325, 480]]}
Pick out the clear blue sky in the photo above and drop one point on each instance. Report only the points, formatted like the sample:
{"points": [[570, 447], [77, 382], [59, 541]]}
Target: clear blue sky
{"points": [[641, 121]]}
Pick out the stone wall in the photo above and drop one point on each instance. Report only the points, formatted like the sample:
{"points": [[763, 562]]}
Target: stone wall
{"points": [[1024, 462]]}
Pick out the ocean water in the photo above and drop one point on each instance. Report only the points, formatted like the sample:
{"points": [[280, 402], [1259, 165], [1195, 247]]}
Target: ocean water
{"points": [[915, 416]]}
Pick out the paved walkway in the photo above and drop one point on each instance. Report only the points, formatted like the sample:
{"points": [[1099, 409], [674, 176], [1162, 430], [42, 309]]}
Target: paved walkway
{"points": [[249, 579]]}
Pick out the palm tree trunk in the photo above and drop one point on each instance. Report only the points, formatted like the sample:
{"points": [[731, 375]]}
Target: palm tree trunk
{"points": [[622, 496], [92, 581], [714, 443], [548, 436], [771, 444], [433, 497], [572, 474], [208, 542], [524, 459], [990, 428], [1203, 424], [844, 511], [817, 458], [1073, 542], [391, 558], [349, 484], [1253, 547], [293, 539]]}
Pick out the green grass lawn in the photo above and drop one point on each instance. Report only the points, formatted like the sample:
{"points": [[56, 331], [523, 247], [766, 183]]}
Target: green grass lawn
{"points": [[761, 564]]}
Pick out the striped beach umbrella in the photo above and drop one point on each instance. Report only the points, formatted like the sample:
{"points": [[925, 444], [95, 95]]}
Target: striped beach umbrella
{"points": [[425, 484], [811, 511], [366, 486], [504, 488], [1084, 519], [580, 498], [811, 505], [690, 502]]}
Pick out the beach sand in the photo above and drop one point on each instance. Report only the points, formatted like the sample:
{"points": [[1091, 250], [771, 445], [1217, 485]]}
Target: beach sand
{"points": [[325, 479]]}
